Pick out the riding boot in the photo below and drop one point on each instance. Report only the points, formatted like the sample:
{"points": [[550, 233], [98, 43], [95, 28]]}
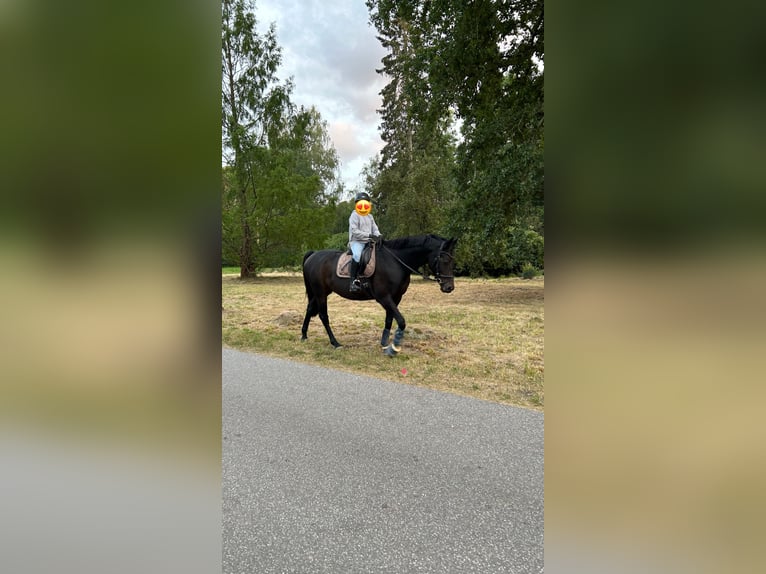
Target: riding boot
{"points": [[354, 271]]}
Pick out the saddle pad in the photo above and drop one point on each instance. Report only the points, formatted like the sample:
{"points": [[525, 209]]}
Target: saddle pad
{"points": [[344, 264]]}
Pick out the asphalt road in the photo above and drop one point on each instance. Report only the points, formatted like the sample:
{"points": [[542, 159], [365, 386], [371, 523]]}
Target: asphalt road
{"points": [[325, 471]]}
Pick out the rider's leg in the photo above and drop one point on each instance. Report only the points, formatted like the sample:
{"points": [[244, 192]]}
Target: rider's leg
{"points": [[356, 250]]}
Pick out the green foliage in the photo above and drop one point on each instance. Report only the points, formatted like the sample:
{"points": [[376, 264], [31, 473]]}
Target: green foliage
{"points": [[481, 63], [462, 120], [528, 271], [412, 181], [337, 241], [498, 254], [410, 198], [280, 183], [342, 212]]}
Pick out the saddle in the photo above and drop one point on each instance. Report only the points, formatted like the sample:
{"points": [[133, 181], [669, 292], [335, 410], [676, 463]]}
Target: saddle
{"points": [[366, 263]]}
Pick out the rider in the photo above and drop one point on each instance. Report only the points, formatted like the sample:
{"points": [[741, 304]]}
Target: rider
{"points": [[361, 228]]}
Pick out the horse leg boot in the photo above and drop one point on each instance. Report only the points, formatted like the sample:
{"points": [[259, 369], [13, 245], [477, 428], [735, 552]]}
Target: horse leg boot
{"points": [[354, 272], [393, 349]]}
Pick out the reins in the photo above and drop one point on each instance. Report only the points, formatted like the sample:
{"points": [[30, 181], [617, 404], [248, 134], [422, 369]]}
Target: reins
{"points": [[438, 277]]}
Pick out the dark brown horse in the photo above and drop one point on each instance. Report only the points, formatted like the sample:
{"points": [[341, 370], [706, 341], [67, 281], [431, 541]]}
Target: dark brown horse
{"points": [[396, 260]]}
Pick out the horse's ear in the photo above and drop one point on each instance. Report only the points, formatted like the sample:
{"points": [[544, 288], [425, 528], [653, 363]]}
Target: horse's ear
{"points": [[451, 244]]}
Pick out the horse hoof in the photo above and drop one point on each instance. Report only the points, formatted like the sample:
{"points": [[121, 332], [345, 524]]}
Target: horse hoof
{"points": [[390, 351]]}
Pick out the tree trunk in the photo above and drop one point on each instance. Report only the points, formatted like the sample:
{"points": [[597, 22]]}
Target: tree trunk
{"points": [[246, 263]]}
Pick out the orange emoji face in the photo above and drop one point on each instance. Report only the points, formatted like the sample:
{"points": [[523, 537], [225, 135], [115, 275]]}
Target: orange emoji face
{"points": [[363, 207]]}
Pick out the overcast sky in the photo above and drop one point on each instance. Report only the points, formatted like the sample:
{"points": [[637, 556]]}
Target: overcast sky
{"points": [[332, 53]]}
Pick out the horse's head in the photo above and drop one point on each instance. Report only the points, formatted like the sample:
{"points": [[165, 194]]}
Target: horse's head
{"points": [[443, 265]]}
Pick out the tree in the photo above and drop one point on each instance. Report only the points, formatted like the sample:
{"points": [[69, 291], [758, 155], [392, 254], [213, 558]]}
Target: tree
{"points": [[231, 229], [481, 62], [252, 103], [298, 189], [414, 180], [281, 179], [495, 61]]}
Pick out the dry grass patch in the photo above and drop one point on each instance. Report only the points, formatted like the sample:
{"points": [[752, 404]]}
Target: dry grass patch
{"points": [[484, 340]]}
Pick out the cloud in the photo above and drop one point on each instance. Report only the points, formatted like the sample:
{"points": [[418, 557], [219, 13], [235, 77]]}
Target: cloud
{"points": [[345, 138], [353, 142], [356, 144], [332, 53]]}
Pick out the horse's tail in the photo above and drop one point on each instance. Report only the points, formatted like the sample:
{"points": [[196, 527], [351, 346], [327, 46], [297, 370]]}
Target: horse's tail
{"points": [[309, 291]]}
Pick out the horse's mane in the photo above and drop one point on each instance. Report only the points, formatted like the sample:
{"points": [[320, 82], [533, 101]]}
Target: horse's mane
{"points": [[412, 241]]}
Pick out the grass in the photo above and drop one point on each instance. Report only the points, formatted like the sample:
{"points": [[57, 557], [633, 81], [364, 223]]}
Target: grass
{"points": [[484, 340]]}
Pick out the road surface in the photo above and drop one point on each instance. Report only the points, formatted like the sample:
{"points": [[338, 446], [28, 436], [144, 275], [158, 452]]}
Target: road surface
{"points": [[325, 471]]}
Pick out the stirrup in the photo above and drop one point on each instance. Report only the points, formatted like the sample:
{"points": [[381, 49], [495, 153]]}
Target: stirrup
{"points": [[356, 285]]}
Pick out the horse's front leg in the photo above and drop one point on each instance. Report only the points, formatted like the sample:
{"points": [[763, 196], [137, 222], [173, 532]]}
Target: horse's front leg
{"points": [[393, 310], [387, 329], [393, 349], [384, 339]]}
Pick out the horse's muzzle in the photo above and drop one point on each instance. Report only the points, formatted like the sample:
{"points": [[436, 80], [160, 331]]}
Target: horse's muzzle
{"points": [[447, 287]]}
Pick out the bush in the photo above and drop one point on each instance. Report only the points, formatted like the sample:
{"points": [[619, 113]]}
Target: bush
{"points": [[505, 252], [337, 241], [525, 248], [528, 271]]}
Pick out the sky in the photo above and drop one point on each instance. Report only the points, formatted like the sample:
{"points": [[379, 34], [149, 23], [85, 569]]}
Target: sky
{"points": [[331, 52]]}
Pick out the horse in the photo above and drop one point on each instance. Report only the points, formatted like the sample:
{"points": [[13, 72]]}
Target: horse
{"points": [[396, 260]]}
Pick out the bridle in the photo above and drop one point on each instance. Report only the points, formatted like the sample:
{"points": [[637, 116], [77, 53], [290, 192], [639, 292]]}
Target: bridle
{"points": [[437, 266]]}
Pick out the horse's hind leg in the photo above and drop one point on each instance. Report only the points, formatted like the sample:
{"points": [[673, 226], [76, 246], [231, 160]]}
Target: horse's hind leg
{"points": [[311, 310], [322, 307]]}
